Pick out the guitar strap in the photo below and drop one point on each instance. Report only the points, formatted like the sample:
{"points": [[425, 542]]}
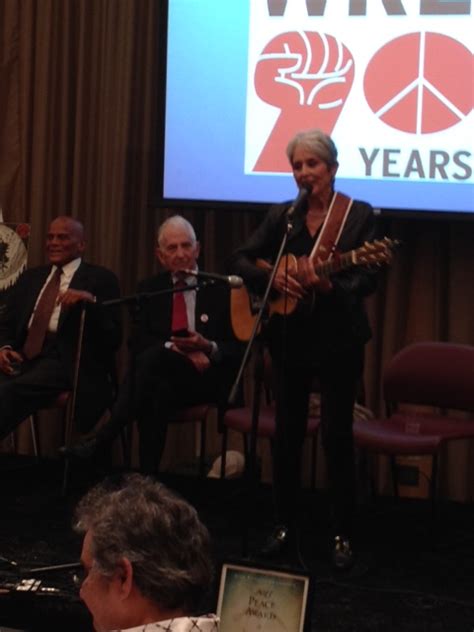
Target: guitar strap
{"points": [[331, 230]]}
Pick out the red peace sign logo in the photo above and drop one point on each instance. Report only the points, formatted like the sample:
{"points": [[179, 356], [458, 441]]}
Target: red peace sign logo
{"points": [[420, 83]]}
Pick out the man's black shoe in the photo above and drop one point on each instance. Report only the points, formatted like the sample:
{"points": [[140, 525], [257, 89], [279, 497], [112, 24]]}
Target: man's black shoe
{"points": [[83, 450], [277, 542], [342, 556]]}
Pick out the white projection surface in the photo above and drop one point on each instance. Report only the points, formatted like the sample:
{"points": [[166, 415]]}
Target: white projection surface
{"points": [[390, 80]]}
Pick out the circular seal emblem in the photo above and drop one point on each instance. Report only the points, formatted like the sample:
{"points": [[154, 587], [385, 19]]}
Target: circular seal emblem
{"points": [[13, 256]]}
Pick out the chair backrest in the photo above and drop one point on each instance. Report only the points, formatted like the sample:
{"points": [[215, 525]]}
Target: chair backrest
{"points": [[437, 374]]}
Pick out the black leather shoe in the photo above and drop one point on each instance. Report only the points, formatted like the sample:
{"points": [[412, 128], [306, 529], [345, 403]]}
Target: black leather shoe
{"points": [[277, 542], [342, 556], [83, 450]]}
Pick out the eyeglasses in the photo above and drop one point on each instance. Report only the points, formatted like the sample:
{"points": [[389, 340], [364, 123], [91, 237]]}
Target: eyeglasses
{"points": [[82, 574], [78, 578]]}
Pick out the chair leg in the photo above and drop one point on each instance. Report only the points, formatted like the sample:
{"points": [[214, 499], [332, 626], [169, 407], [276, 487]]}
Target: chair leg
{"points": [[368, 470], [67, 426], [34, 434], [253, 471], [373, 481], [65, 477], [314, 452], [126, 441], [433, 485], [223, 450], [394, 469], [202, 452], [369, 473], [245, 443]]}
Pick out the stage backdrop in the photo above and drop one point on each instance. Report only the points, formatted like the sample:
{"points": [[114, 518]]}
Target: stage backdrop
{"points": [[390, 81]]}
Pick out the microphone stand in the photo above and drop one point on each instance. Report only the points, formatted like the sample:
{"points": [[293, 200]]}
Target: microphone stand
{"points": [[143, 296], [251, 473]]}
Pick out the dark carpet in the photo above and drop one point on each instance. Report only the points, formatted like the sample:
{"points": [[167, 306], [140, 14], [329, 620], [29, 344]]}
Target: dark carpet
{"points": [[411, 574]]}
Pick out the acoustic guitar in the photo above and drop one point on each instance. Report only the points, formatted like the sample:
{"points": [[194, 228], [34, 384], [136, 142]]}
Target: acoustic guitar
{"points": [[245, 307]]}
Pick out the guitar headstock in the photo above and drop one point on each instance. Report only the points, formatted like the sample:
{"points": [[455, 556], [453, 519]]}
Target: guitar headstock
{"points": [[376, 252]]}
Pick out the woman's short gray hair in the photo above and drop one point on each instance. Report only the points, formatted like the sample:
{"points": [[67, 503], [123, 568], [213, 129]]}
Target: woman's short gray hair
{"points": [[316, 141], [157, 531]]}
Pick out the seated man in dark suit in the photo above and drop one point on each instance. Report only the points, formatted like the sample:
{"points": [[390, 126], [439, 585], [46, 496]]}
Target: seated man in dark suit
{"points": [[181, 348], [40, 329]]}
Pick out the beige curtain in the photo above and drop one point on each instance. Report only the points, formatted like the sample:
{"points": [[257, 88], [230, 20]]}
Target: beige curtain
{"points": [[79, 103], [78, 86]]}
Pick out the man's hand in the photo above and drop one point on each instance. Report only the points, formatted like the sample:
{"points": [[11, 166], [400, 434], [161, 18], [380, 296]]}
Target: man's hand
{"points": [[195, 347], [8, 358], [71, 297], [193, 342], [200, 360]]}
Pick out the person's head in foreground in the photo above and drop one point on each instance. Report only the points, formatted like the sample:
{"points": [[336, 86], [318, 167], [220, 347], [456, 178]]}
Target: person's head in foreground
{"points": [[145, 555]]}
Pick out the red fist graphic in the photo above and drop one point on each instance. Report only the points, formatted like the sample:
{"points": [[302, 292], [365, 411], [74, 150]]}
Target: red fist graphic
{"points": [[307, 75]]}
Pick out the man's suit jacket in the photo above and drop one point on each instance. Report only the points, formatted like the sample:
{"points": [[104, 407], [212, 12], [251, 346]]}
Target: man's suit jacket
{"points": [[102, 334], [152, 324]]}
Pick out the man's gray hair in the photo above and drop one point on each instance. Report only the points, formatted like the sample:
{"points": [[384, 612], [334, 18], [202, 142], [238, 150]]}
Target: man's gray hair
{"points": [[316, 141], [157, 531], [176, 221]]}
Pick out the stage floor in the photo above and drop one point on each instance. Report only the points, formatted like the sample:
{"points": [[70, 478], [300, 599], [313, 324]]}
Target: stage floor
{"points": [[407, 578]]}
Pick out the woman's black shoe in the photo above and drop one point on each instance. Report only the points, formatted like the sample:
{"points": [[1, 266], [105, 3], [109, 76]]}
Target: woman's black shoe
{"points": [[342, 556], [82, 450], [277, 542]]}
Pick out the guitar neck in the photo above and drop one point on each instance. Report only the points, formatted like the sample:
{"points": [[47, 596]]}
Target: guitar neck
{"points": [[335, 264], [375, 252]]}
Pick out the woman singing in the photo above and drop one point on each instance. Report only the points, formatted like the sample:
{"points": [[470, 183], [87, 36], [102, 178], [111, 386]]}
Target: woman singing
{"points": [[324, 336]]}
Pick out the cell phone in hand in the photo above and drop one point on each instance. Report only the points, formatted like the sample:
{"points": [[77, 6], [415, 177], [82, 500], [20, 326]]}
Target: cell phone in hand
{"points": [[180, 333], [15, 367]]}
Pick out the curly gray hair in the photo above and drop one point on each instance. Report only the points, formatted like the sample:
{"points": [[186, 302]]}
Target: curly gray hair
{"points": [[157, 531]]}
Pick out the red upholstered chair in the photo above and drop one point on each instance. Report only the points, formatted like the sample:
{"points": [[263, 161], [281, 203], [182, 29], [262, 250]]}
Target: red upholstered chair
{"points": [[62, 402], [439, 375], [67, 402], [240, 420], [196, 414]]}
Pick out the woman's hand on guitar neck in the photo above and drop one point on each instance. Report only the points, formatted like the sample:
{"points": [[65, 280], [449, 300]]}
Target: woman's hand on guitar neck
{"points": [[308, 278]]}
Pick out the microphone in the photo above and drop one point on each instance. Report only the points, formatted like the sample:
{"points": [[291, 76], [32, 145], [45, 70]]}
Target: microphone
{"points": [[300, 199], [232, 280]]}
